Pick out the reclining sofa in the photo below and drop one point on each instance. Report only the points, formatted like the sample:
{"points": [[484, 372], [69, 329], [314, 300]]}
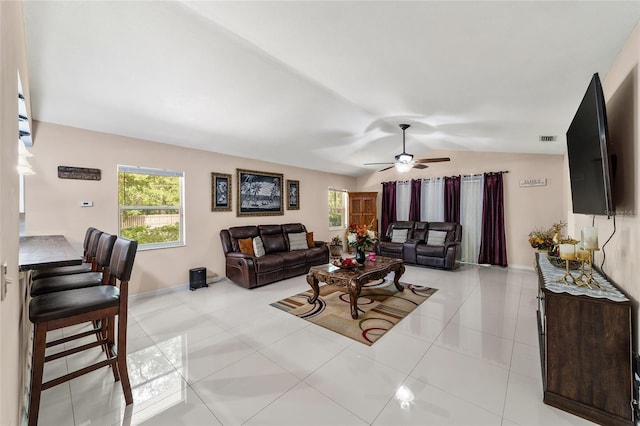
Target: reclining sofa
{"points": [[263, 254], [431, 244]]}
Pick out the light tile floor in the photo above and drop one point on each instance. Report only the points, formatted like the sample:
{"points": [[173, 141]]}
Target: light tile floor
{"points": [[222, 356]]}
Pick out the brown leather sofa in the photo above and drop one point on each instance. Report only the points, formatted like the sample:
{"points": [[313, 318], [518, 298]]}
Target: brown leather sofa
{"points": [[413, 249], [278, 263]]}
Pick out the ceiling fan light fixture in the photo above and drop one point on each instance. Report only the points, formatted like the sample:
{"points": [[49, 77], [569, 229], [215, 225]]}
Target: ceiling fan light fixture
{"points": [[404, 158], [403, 167]]}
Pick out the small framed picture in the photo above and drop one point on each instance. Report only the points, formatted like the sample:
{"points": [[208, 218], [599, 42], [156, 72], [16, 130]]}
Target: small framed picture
{"points": [[293, 195], [220, 192]]}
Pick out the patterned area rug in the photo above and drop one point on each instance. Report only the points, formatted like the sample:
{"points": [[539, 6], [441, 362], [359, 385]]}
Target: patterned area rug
{"points": [[380, 307]]}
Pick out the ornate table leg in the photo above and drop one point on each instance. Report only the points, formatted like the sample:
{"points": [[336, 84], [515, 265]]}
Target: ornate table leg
{"points": [[313, 282], [396, 277], [354, 293]]}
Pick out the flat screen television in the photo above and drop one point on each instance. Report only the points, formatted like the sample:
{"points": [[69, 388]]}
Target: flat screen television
{"points": [[587, 150]]}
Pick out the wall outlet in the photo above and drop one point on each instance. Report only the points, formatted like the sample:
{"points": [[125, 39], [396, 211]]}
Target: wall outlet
{"points": [[86, 203]]}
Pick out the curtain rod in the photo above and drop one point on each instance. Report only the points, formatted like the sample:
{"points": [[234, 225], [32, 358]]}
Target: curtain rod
{"points": [[435, 177]]}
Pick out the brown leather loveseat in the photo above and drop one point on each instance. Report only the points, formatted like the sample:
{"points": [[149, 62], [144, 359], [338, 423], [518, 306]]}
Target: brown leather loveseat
{"points": [[422, 243], [287, 253]]}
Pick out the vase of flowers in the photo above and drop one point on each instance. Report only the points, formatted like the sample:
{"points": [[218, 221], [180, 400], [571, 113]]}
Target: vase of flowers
{"points": [[360, 237]]}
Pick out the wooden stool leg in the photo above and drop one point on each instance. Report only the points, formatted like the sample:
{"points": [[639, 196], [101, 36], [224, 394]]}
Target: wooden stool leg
{"points": [[109, 328], [122, 356], [39, 347]]}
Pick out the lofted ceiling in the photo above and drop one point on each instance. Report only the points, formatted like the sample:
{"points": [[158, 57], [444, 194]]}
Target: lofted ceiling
{"points": [[322, 85]]}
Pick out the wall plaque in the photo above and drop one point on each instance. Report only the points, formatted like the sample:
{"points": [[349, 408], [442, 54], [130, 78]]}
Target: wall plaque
{"points": [[83, 173], [533, 182]]}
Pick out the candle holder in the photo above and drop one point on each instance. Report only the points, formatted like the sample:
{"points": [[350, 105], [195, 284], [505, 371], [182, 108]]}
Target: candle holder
{"points": [[583, 278], [568, 253]]}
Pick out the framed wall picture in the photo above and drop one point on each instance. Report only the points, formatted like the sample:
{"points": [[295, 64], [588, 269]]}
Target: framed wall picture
{"points": [[293, 195], [259, 193], [220, 192]]}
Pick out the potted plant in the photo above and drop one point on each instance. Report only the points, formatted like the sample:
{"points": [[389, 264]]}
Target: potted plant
{"points": [[335, 247]]}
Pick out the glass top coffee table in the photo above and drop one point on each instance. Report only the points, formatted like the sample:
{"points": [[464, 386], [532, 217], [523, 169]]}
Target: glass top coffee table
{"points": [[354, 278]]}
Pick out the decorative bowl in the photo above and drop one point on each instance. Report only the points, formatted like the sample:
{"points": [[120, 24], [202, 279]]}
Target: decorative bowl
{"points": [[560, 263], [341, 266]]}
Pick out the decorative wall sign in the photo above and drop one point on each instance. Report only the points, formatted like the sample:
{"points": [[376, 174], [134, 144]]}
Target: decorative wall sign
{"points": [[259, 193], [220, 192], [83, 173], [293, 195], [533, 182]]}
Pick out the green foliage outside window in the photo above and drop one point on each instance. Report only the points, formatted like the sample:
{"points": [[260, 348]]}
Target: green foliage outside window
{"points": [[150, 206], [336, 208]]}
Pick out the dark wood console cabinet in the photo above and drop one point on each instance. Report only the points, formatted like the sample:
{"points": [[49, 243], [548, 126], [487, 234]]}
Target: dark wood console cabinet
{"points": [[585, 348]]}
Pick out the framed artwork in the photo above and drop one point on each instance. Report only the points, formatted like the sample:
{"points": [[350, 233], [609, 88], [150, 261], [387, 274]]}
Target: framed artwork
{"points": [[259, 193], [293, 195], [220, 192]]}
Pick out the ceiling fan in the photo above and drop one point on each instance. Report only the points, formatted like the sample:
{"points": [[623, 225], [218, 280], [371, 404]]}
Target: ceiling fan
{"points": [[405, 162]]}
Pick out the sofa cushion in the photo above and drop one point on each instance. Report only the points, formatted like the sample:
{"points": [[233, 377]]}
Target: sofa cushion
{"points": [[399, 235], [316, 255], [297, 241], [391, 248], [436, 238], [239, 232], [274, 243], [310, 241], [290, 258], [432, 251], [420, 235], [246, 246], [258, 247], [269, 262]]}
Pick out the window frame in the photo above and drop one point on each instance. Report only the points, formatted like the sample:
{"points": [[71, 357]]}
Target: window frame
{"points": [[180, 208], [345, 210]]}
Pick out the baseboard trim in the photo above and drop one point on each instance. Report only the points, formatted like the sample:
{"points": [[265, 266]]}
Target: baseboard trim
{"points": [[172, 289]]}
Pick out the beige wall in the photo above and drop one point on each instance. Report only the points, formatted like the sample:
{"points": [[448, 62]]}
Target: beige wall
{"points": [[12, 60], [622, 92], [53, 204], [526, 208]]}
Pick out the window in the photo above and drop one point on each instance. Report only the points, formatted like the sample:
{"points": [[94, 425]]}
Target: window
{"points": [[151, 206], [337, 208]]}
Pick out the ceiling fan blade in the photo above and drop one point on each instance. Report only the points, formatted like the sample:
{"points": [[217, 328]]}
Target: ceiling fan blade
{"points": [[376, 164], [433, 160], [420, 166], [386, 168]]}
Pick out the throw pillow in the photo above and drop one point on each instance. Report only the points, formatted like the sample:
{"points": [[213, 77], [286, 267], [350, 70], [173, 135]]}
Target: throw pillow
{"points": [[246, 246], [298, 241], [399, 235], [258, 247], [310, 241], [436, 238]]}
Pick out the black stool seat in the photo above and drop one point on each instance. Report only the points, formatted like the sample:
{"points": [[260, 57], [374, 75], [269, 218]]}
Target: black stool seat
{"points": [[62, 270], [62, 304], [65, 282]]}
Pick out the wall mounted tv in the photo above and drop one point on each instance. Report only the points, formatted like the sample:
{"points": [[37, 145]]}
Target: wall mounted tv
{"points": [[587, 150]]}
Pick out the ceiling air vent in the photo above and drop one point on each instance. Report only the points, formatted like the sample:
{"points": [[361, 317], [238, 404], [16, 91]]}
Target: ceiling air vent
{"points": [[548, 138]]}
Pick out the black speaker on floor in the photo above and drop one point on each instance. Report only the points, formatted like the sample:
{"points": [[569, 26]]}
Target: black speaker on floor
{"points": [[197, 278]]}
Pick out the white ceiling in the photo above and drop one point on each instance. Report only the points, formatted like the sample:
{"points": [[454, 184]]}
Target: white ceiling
{"points": [[322, 85]]}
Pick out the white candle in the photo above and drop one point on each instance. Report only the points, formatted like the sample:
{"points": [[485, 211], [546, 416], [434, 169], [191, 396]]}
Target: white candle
{"points": [[568, 251], [581, 253], [590, 238]]}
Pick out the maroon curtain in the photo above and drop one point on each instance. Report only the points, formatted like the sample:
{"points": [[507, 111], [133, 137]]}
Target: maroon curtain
{"points": [[388, 205], [414, 207], [452, 199], [493, 243]]}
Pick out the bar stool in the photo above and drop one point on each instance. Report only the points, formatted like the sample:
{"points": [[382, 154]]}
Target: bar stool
{"points": [[80, 280], [91, 238], [64, 308]]}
